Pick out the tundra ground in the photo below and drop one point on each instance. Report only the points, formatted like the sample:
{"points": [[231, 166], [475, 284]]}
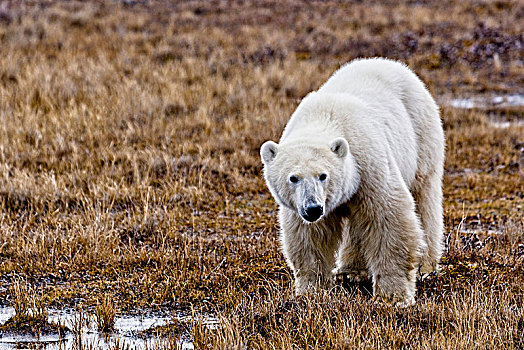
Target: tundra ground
{"points": [[129, 165]]}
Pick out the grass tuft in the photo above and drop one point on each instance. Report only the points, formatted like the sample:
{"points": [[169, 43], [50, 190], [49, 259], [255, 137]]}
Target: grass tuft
{"points": [[105, 313]]}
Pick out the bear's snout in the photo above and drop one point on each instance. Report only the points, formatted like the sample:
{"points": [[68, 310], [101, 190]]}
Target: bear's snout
{"points": [[313, 212]]}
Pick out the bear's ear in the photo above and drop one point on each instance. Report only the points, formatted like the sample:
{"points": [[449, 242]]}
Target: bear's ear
{"points": [[268, 151], [340, 147]]}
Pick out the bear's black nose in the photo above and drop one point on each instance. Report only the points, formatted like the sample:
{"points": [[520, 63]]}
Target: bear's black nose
{"points": [[313, 212]]}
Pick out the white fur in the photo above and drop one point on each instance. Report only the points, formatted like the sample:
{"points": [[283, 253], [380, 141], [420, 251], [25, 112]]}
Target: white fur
{"points": [[367, 147]]}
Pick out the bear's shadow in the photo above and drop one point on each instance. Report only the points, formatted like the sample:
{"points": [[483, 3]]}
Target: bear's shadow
{"points": [[425, 288], [364, 287]]}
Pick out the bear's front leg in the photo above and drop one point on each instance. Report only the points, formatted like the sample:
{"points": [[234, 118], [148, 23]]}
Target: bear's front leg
{"points": [[351, 264], [309, 249], [393, 246]]}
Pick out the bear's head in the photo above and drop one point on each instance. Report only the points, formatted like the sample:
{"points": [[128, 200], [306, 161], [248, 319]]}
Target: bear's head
{"points": [[310, 179]]}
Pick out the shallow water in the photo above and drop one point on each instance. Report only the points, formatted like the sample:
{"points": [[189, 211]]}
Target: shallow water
{"points": [[126, 327], [492, 103], [483, 102], [501, 123]]}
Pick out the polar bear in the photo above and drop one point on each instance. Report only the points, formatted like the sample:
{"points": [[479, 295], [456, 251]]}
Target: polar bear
{"points": [[357, 176]]}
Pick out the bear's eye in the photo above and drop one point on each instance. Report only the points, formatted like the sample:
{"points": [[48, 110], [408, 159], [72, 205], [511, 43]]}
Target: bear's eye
{"points": [[322, 177], [293, 179]]}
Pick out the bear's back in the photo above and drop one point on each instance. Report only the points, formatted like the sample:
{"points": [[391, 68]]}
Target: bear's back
{"points": [[386, 84], [375, 77]]}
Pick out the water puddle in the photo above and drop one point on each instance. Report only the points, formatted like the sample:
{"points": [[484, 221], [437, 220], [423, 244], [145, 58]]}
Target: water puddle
{"points": [[496, 106], [125, 336], [484, 102], [501, 123]]}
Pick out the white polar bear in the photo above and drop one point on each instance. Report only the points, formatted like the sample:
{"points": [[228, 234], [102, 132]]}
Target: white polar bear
{"points": [[358, 179]]}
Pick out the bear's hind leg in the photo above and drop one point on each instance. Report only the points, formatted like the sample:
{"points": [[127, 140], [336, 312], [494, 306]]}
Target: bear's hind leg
{"points": [[428, 199]]}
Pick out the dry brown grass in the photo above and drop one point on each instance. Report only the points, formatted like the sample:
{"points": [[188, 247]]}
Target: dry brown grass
{"points": [[105, 314], [129, 162]]}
